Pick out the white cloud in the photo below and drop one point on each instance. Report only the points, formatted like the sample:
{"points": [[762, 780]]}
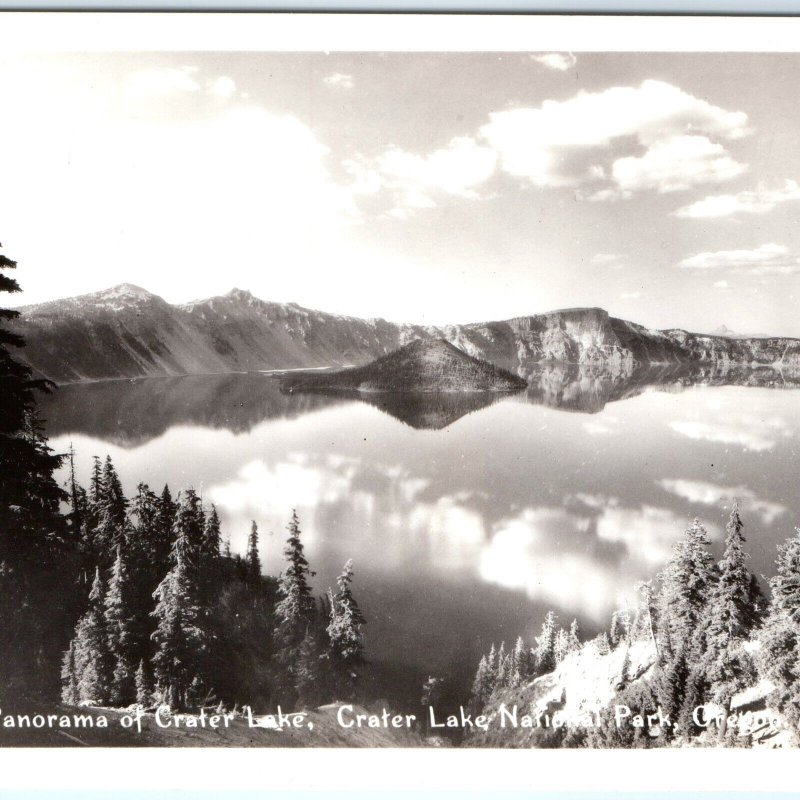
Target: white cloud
{"points": [[563, 143], [229, 182], [557, 61], [647, 532], [711, 494], [759, 439], [676, 164], [767, 259], [339, 80], [222, 87], [630, 295], [570, 143], [543, 551], [260, 487], [413, 181], [760, 201], [721, 285]]}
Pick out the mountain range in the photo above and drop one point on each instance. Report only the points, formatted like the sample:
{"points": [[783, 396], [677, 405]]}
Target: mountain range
{"points": [[127, 332]]}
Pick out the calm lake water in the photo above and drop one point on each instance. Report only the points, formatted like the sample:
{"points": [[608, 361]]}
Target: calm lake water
{"points": [[466, 521]]}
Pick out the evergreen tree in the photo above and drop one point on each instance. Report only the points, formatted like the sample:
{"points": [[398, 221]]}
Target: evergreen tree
{"points": [[694, 697], [501, 680], [308, 678], [111, 517], [144, 686], [167, 508], [96, 482], [33, 533], [602, 644], [671, 681], [253, 559], [730, 619], [524, 663], [561, 647], [620, 630], [574, 640], [295, 610], [93, 661], [144, 528], [482, 686], [78, 500], [212, 538], [180, 636], [188, 529], [780, 637], [491, 668], [546, 645], [30, 521], [346, 635], [226, 548], [120, 629], [687, 584], [69, 678]]}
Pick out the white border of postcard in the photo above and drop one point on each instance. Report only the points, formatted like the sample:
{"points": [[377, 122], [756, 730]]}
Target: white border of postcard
{"points": [[693, 770]]}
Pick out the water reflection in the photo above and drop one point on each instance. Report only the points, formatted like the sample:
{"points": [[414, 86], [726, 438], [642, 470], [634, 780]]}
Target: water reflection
{"points": [[131, 412], [470, 520]]}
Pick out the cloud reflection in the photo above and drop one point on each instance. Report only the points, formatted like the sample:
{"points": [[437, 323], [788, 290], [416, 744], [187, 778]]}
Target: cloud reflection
{"points": [[711, 494]]}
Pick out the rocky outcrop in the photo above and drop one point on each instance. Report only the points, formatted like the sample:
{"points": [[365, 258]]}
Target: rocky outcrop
{"points": [[423, 366], [128, 332]]}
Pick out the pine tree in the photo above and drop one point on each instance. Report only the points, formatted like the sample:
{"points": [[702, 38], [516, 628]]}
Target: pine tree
{"points": [[687, 584], [96, 483], [111, 525], [167, 508], [346, 635], [561, 647], [491, 668], [694, 698], [524, 666], [671, 684], [780, 637], [119, 622], [308, 673], [620, 630], [29, 496], [93, 661], [501, 681], [253, 559], [295, 610], [180, 635], [144, 686], [212, 538], [482, 686], [226, 548], [78, 500], [730, 619], [188, 528], [546, 645], [33, 533], [69, 679], [574, 641]]}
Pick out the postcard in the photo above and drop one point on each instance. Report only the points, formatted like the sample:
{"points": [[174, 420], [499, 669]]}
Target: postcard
{"points": [[374, 393]]}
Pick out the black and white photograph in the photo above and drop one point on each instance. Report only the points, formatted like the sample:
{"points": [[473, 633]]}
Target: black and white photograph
{"points": [[402, 399]]}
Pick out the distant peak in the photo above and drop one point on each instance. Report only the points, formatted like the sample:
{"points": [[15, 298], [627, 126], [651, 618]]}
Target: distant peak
{"points": [[240, 294], [126, 290]]}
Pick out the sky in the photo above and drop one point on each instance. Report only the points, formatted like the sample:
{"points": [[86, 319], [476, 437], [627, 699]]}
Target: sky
{"points": [[430, 188]]}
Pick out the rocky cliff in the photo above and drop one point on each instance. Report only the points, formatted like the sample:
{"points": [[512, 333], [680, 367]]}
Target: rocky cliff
{"points": [[128, 332]]}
